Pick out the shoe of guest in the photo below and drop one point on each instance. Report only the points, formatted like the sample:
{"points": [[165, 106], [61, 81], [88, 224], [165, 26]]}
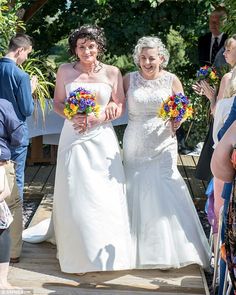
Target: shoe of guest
{"points": [[15, 260]]}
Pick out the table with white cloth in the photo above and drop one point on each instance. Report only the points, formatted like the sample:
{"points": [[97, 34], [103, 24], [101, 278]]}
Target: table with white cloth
{"points": [[46, 131]]}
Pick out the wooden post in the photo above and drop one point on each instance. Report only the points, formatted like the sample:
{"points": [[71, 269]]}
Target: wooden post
{"points": [[37, 152]]}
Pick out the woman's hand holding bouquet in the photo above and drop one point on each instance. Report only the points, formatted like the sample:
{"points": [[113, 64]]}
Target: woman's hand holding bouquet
{"points": [[176, 108], [82, 109]]}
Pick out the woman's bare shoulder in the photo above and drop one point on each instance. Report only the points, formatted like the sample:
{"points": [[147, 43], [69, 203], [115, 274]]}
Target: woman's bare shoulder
{"points": [[111, 70], [227, 76], [65, 67]]}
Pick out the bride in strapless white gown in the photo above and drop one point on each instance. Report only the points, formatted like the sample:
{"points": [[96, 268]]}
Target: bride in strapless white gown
{"points": [[89, 209], [90, 215], [89, 206]]}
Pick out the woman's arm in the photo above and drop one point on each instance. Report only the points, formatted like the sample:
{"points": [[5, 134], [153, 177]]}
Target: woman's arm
{"points": [[223, 85], [60, 92], [177, 86], [221, 165], [116, 106], [126, 81]]}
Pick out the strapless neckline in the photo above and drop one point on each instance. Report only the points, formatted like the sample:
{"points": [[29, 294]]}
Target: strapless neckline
{"points": [[88, 83]]}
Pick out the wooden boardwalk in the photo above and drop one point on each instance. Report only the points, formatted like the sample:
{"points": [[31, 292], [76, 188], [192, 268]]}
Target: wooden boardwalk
{"points": [[39, 273]]}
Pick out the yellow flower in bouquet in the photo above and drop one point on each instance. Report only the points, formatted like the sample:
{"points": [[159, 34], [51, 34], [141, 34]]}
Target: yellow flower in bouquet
{"points": [[176, 107], [81, 101], [209, 74]]}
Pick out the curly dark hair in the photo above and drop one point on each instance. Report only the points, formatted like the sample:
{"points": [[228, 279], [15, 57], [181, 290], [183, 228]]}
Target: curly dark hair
{"points": [[88, 32]]}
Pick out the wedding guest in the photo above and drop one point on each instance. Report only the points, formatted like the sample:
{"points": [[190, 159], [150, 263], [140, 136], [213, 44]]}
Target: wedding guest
{"points": [[210, 43], [221, 164], [208, 47], [220, 108], [166, 231], [203, 171], [224, 169], [90, 213], [224, 175], [16, 87], [11, 134]]}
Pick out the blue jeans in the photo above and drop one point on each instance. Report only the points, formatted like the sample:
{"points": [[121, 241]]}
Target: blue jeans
{"points": [[19, 155]]}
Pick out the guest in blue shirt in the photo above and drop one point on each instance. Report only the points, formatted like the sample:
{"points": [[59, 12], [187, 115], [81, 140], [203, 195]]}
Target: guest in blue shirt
{"points": [[16, 87]]}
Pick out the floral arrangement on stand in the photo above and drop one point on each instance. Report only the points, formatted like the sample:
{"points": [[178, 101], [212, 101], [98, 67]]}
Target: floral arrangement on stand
{"points": [[81, 101], [176, 107], [209, 74]]}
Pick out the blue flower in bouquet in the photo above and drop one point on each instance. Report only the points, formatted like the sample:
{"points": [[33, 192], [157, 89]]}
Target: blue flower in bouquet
{"points": [[81, 101], [209, 74], [176, 107]]}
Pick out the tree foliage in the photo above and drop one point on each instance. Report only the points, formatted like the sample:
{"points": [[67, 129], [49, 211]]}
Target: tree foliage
{"points": [[177, 23], [9, 23], [230, 25]]}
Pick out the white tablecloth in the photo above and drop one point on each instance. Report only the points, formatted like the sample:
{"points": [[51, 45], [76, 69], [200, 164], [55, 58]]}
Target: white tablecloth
{"points": [[50, 128]]}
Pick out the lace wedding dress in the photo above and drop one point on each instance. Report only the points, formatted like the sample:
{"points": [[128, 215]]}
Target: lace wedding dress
{"points": [[166, 231], [90, 214]]}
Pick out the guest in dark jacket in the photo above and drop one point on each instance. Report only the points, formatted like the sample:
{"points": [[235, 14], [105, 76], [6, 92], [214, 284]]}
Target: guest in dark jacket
{"points": [[208, 47], [11, 135], [210, 43]]}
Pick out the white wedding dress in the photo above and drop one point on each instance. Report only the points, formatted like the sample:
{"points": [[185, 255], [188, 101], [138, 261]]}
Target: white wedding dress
{"points": [[166, 231], [90, 214]]}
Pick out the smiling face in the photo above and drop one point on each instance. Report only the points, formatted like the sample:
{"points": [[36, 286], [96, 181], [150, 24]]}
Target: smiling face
{"points": [[86, 50], [150, 62], [230, 52]]}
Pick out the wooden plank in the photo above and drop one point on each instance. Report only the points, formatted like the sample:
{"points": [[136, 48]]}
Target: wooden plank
{"points": [[44, 210], [196, 159], [41, 272], [183, 173], [30, 173], [39, 269], [196, 185], [43, 276], [38, 182], [48, 188]]}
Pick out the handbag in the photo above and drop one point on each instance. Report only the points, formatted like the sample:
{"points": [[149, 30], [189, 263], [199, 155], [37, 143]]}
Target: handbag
{"points": [[5, 215], [2, 178], [4, 186]]}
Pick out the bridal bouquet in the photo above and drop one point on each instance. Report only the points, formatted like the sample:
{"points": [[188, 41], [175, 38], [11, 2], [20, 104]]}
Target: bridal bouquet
{"points": [[209, 74], [176, 107], [81, 101]]}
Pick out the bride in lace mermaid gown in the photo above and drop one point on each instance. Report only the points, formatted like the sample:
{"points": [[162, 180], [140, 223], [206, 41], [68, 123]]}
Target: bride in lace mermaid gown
{"points": [[165, 228], [90, 214]]}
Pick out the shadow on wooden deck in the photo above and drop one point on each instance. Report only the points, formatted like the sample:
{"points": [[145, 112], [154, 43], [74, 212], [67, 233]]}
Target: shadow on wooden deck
{"points": [[39, 269]]}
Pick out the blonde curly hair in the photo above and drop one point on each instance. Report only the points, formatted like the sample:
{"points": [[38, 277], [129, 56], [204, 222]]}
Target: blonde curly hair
{"points": [[151, 42]]}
